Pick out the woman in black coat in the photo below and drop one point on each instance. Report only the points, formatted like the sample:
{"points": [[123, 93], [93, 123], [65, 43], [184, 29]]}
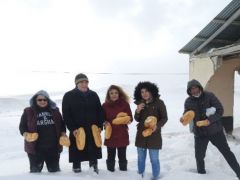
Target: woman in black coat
{"points": [[81, 107]]}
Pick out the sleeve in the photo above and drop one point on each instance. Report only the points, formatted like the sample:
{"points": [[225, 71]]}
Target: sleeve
{"points": [[128, 110], [67, 117], [100, 113], [63, 126], [163, 115], [187, 105], [137, 116], [23, 123], [219, 109]]}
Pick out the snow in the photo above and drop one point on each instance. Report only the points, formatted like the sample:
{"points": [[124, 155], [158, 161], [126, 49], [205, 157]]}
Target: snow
{"points": [[176, 158]]}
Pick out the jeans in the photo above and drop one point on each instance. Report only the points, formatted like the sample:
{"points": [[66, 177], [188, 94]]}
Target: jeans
{"points": [[154, 158]]}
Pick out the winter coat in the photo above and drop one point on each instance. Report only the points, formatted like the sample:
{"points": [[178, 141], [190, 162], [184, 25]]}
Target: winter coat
{"points": [[82, 110], [155, 108], [199, 106], [28, 123], [119, 137]]}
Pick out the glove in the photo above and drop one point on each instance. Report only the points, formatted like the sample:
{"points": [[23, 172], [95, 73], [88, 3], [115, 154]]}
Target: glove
{"points": [[203, 123], [210, 111], [64, 141], [147, 132], [122, 118], [150, 122], [80, 138], [30, 137], [96, 136], [187, 117], [108, 131]]}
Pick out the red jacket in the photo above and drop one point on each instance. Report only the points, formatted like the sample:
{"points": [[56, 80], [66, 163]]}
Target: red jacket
{"points": [[119, 137]]}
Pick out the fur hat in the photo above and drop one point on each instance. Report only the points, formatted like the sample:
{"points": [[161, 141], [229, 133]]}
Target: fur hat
{"points": [[80, 77], [151, 87]]}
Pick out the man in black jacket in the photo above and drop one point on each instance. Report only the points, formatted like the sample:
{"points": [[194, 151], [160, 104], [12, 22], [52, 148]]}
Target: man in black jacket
{"points": [[207, 125], [82, 108]]}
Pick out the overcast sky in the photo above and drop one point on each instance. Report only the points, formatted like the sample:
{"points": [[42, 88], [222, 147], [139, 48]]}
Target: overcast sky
{"points": [[100, 35]]}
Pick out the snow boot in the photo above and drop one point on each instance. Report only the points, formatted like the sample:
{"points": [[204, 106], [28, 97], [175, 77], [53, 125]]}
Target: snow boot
{"points": [[110, 165], [123, 165]]}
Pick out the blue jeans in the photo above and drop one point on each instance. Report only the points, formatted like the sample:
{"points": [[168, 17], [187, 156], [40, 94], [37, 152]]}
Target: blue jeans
{"points": [[154, 158]]}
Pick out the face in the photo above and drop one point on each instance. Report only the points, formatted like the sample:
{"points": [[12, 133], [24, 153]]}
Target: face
{"points": [[146, 95], [114, 95], [83, 86], [195, 91], [41, 101]]}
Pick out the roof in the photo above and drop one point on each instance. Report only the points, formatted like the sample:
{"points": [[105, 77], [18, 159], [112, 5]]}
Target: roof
{"points": [[223, 30]]}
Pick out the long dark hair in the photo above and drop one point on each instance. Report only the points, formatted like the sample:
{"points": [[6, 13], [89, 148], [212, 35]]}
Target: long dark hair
{"points": [[151, 87]]}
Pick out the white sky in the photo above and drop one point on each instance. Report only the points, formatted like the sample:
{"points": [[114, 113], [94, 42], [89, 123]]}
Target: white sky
{"points": [[99, 35]]}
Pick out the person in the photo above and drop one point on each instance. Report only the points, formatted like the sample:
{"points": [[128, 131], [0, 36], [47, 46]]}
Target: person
{"points": [[148, 103], [42, 125], [207, 125], [81, 108], [116, 101]]}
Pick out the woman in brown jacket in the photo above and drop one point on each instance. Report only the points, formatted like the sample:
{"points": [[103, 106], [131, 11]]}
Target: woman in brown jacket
{"points": [[148, 103]]}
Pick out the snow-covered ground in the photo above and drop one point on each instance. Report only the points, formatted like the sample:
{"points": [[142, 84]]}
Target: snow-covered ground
{"points": [[176, 158]]}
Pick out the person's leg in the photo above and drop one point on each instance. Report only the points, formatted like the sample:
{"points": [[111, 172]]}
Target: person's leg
{"points": [[122, 158], [154, 158], [201, 144], [94, 163], [219, 140], [36, 162], [111, 158], [52, 160], [142, 153]]}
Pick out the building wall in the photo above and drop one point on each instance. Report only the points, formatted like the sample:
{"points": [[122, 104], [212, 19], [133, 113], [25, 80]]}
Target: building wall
{"points": [[218, 79]]}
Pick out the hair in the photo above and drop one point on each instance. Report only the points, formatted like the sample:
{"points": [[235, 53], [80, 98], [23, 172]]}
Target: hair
{"points": [[122, 94], [151, 87]]}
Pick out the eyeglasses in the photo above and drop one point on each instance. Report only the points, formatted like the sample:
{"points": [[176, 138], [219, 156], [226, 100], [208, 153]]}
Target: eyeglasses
{"points": [[42, 100]]}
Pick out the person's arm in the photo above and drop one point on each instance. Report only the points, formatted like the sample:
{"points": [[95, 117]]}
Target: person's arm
{"points": [[162, 114], [128, 111], [100, 113], [67, 116], [23, 123], [219, 109], [137, 114]]}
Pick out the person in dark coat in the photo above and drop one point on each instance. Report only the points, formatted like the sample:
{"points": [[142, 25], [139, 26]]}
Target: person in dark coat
{"points": [[116, 101], [81, 107], [148, 103], [209, 110], [43, 120]]}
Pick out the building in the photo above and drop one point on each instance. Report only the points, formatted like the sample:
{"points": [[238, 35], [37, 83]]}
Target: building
{"points": [[215, 57]]}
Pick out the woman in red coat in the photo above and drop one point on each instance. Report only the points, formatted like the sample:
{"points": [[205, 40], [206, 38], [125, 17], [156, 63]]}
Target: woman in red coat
{"points": [[116, 101]]}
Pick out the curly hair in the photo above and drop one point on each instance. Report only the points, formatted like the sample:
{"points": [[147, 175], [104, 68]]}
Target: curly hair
{"points": [[151, 87], [122, 94]]}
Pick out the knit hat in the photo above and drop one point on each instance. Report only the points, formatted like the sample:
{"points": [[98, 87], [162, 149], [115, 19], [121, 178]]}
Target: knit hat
{"points": [[80, 77], [45, 94]]}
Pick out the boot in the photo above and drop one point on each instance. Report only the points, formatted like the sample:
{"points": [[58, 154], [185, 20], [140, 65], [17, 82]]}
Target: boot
{"points": [[77, 167], [94, 164], [123, 165], [110, 165]]}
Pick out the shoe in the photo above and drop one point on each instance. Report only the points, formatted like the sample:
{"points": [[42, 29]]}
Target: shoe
{"points": [[123, 165], [202, 171], [110, 165], [77, 167], [141, 174], [95, 168]]}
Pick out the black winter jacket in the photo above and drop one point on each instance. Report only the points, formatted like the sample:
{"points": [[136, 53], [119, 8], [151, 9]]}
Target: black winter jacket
{"points": [[199, 106]]}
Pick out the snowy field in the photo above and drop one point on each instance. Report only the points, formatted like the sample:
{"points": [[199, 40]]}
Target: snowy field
{"points": [[176, 158]]}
